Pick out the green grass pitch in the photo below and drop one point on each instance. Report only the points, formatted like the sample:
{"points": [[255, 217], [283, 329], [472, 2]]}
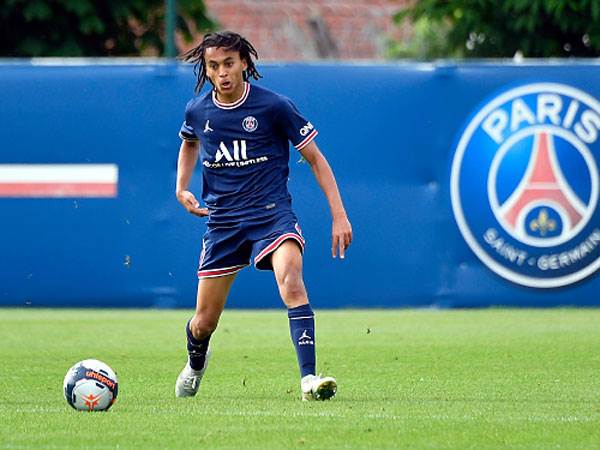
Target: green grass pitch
{"points": [[478, 379]]}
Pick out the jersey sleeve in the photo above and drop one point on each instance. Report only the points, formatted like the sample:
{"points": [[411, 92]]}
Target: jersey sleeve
{"points": [[187, 132], [298, 130]]}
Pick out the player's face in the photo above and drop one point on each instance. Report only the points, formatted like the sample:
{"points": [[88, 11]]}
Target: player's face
{"points": [[225, 70]]}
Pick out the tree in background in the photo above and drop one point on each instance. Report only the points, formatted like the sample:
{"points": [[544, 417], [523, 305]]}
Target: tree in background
{"points": [[500, 28], [92, 28]]}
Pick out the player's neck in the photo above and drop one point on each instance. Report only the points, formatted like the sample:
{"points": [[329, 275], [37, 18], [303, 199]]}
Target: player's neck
{"points": [[231, 97]]}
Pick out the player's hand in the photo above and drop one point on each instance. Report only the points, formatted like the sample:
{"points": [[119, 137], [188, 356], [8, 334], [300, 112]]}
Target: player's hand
{"points": [[189, 202], [341, 234]]}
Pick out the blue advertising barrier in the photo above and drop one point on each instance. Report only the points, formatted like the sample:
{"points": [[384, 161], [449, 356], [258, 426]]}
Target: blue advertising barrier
{"points": [[412, 147]]}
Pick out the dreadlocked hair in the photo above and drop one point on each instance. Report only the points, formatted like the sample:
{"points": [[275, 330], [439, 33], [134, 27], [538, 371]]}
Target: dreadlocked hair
{"points": [[229, 41]]}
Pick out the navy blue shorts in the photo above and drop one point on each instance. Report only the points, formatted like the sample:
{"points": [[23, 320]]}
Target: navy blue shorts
{"points": [[227, 249]]}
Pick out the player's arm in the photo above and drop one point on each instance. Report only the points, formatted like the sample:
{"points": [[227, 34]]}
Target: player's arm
{"points": [[341, 232], [188, 155]]}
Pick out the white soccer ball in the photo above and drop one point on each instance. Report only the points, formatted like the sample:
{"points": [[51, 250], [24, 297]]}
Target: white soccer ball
{"points": [[91, 385]]}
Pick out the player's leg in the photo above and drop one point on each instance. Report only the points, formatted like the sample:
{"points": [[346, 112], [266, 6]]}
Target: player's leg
{"points": [[224, 253], [210, 302], [287, 266], [286, 261]]}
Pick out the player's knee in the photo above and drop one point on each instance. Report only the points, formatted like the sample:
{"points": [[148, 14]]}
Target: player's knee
{"points": [[203, 327], [291, 286]]}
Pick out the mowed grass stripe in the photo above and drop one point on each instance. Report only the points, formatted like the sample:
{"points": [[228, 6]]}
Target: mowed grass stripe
{"points": [[476, 379]]}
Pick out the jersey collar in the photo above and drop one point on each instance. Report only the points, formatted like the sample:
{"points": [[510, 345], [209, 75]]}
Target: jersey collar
{"points": [[235, 104]]}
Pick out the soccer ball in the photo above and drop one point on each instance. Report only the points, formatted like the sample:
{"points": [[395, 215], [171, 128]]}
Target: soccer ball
{"points": [[90, 385]]}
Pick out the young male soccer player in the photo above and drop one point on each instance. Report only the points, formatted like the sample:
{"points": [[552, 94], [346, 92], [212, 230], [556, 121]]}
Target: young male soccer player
{"points": [[241, 133]]}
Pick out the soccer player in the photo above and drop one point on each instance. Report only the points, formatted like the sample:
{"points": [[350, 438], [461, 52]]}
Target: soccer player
{"points": [[241, 133]]}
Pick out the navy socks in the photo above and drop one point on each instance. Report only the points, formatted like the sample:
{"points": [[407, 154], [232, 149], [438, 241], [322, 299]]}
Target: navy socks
{"points": [[196, 349], [302, 331]]}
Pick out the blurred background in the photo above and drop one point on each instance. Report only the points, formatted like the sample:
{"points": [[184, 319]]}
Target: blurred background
{"points": [[93, 97], [289, 30]]}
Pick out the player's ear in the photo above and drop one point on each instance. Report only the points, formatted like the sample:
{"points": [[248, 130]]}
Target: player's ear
{"points": [[245, 69]]}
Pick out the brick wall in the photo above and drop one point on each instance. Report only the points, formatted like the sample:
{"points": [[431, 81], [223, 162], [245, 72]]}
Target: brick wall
{"points": [[310, 29]]}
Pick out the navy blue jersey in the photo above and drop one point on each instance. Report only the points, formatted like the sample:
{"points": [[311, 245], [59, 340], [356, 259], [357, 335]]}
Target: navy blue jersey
{"points": [[244, 151]]}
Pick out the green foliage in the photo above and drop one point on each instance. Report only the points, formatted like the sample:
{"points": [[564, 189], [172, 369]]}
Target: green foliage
{"points": [[495, 28], [428, 42], [92, 28]]}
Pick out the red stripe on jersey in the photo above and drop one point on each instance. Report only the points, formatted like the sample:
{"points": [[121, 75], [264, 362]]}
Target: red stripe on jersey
{"points": [[307, 140], [235, 104]]}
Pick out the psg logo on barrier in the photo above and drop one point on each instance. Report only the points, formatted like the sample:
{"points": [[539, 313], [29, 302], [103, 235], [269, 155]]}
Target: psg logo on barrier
{"points": [[524, 185]]}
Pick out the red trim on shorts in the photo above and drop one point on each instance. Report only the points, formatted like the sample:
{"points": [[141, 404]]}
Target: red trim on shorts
{"points": [[213, 273], [276, 243]]}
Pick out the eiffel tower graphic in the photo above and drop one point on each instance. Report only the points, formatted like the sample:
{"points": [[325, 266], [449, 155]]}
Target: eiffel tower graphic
{"points": [[542, 184]]}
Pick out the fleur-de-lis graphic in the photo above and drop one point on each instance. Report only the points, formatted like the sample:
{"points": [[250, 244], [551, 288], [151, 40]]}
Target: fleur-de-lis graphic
{"points": [[543, 184], [543, 223]]}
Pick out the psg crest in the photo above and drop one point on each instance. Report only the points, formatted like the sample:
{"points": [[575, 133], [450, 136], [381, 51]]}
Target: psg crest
{"points": [[524, 185], [250, 123]]}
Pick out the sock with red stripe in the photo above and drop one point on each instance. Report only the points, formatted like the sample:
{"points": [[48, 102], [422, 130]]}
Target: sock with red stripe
{"points": [[302, 331], [196, 348]]}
